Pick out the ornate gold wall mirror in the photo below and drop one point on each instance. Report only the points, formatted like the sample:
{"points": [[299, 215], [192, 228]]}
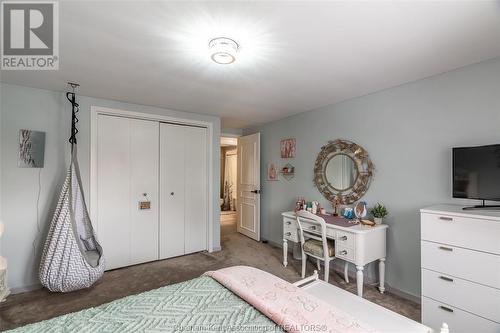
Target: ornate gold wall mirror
{"points": [[343, 171]]}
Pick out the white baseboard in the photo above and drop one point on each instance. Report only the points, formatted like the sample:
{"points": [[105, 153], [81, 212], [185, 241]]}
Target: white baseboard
{"points": [[403, 294]]}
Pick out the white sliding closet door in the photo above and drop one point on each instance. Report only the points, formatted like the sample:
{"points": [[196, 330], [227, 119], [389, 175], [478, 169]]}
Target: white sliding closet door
{"points": [[183, 190], [127, 167]]}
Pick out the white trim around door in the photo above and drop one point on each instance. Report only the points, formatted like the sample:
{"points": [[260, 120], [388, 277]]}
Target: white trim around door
{"points": [[95, 111]]}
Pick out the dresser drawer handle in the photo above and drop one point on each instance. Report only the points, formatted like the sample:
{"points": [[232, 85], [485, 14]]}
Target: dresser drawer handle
{"points": [[442, 307], [446, 278], [343, 238], [288, 222], [288, 234], [312, 228], [343, 252], [444, 218], [446, 248]]}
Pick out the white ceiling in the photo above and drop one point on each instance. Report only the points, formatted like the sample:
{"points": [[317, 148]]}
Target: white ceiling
{"points": [[294, 57]]}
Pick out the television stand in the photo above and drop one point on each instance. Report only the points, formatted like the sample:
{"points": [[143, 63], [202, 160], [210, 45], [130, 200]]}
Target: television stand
{"points": [[482, 207]]}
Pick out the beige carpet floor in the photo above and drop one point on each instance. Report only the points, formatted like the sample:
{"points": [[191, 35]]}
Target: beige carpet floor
{"points": [[30, 307]]}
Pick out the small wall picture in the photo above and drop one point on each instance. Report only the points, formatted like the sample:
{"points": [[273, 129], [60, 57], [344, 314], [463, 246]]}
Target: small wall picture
{"points": [[272, 171], [288, 148], [31, 149]]}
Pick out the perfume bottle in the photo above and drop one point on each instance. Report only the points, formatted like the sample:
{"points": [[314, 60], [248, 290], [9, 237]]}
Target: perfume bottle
{"points": [[298, 204]]}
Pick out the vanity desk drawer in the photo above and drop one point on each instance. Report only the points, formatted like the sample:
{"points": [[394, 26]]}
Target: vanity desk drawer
{"points": [[346, 239], [311, 227], [291, 235], [345, 253], [289, 223]]}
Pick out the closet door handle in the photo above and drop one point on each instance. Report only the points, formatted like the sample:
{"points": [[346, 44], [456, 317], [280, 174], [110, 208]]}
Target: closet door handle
{"points": [[171, 193], [446, 278], [256, 191], [445, 308]]}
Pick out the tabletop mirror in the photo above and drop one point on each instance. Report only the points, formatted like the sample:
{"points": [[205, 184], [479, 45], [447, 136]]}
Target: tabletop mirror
{"points": [[343, 171]]}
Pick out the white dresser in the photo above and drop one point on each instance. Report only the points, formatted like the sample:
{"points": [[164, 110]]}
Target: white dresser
{"points": [[460, 261]]}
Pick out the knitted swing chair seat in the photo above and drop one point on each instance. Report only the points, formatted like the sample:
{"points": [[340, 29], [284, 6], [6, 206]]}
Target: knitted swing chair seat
{"points": [[72, 258]]}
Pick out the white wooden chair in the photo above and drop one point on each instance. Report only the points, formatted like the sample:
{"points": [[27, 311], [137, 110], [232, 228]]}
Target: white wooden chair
{"points": [[313, 242]]}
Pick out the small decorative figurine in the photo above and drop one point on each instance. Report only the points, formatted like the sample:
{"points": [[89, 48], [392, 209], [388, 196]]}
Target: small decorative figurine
{"points": [[314, 208], [348, 213], [298, 204], [335, 205]]}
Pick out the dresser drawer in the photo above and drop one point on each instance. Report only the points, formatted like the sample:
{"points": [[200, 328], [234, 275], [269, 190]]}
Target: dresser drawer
{"points": [[469, 296], [434, 314], [345, 253], [346, 239], [471, 233], [467, 264]]}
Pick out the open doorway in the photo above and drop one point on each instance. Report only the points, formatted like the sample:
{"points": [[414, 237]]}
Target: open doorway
{"points": [[228, 183]]}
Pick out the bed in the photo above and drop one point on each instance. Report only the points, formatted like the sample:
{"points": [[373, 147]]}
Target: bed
{"points": [[239, 298]]}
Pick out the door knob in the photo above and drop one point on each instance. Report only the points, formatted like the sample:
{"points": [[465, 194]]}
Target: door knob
{"points": [[256, 191]]}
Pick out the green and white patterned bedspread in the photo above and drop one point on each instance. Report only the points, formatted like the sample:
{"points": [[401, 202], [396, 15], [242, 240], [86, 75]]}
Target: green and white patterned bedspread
{"points": [[198, 305]]}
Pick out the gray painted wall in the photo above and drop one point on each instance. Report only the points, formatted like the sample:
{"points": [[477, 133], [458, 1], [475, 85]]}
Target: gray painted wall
{"points": [[409, 131], [49, 111], [231, 132]]}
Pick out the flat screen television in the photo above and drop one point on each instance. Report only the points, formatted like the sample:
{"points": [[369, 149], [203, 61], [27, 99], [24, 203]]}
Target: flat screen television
{"points": [[476, 172]]}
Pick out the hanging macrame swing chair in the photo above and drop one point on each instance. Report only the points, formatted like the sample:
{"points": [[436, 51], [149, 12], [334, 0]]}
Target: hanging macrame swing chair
{"points": [[72, 258]]}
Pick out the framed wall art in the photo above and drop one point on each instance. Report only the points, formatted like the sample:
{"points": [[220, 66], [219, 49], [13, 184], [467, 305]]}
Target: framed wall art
{"points": [[288, 148], [272, 171], [31, 149]]}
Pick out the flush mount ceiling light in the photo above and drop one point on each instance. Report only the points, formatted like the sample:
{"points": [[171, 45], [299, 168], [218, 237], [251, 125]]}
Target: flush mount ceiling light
{"points": [[223, 50]]}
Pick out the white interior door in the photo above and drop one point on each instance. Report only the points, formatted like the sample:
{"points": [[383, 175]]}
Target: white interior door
{"points": [[127, 167], [248, 187], [183, 190]]}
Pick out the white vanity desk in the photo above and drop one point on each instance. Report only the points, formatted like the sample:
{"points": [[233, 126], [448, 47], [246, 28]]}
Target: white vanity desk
{"points": [[358, 244]]}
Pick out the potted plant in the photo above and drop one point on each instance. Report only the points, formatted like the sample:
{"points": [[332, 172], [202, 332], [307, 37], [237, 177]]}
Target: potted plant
{"points": [[379, 212]]}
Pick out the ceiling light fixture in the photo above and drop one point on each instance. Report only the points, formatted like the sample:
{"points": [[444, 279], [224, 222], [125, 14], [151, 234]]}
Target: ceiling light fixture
{"points": [[223, 50]]}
